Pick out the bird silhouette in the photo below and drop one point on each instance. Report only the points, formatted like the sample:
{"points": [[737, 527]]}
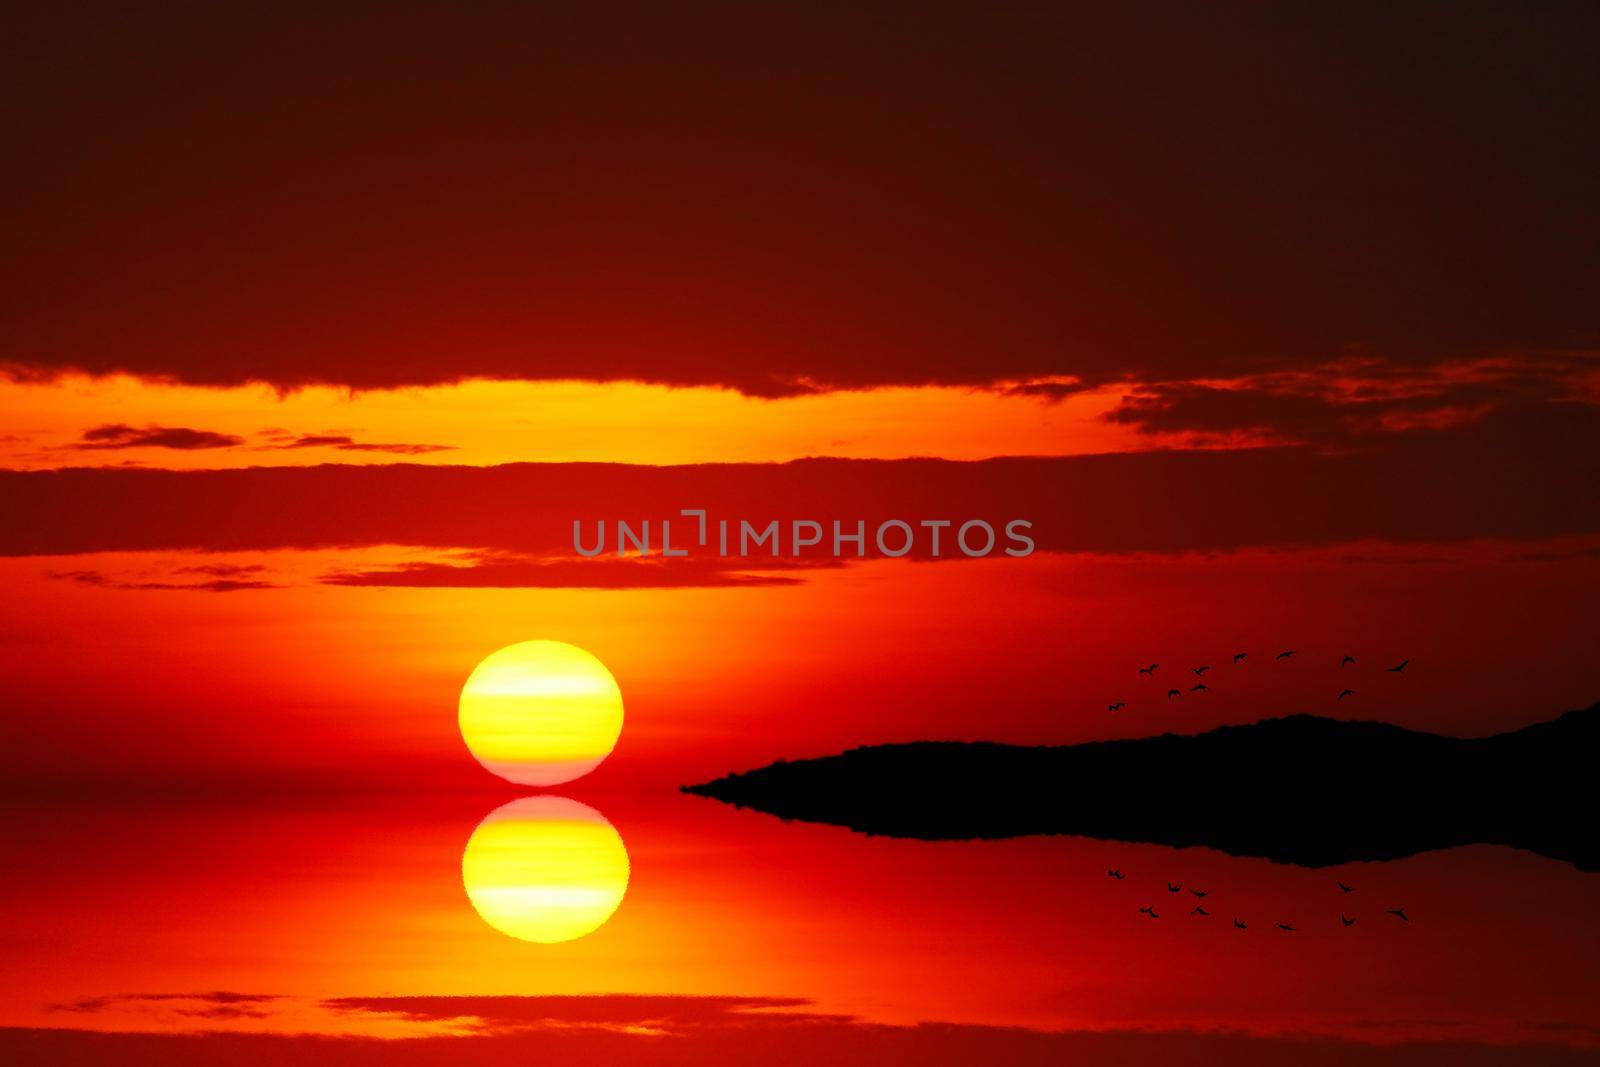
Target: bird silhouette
{"points": [[1117, 874], [1150, 912], [1284, 655], [1345, 888], [1345, 922], [1201, 893], [1200, 909], [1118, 706], [1199, 670], [1239, 657], [1346, 662], [1201, 688], [1239, 925], [1285, 927], [1346, 693], [1399, 668], [1150, 669], [1400, 913], [1173, 693], [1173, 888]]}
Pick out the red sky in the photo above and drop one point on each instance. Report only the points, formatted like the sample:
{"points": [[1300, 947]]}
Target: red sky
{"points": [[320, 329], [778, 200]]}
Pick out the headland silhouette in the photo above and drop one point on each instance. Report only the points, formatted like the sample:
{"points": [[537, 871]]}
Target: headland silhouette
{"points": [[1303, 790]]}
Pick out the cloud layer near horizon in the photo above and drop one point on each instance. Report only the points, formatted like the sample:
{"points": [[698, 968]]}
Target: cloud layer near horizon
{"points": [[698, 1030], [1515, 474]]}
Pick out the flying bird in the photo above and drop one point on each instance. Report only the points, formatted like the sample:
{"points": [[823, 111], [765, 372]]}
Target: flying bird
{"points": [[1200, 909], [1239, 657], [1399, 668], [1284, 655], [1346, 693], [1173, 888], [1200, 670], [1118, 706], [1201, 893], [1346, 922], [1150, 912], [1114, 874], [1285, 927], [1400, 913], [1201, 688], [1150, 669], [1239, 925], [1173, 693], [1346, 662], [1345, 888]]}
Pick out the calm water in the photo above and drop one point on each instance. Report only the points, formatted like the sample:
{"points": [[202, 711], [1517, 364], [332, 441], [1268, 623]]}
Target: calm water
{"points": [[135, 917]]}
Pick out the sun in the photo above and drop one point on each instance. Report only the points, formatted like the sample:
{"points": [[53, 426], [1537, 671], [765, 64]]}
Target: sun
{"points": [[540, 712], [545, 869]]}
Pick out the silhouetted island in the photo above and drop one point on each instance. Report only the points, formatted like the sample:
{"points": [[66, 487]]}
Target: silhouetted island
{"points": [[1304, 790]]}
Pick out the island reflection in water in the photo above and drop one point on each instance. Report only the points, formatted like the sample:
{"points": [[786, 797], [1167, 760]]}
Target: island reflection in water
{"points": [[309, 904]]}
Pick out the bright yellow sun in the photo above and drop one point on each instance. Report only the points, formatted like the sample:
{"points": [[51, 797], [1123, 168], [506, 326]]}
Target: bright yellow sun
{"points": [[545, 869], [541, 713]]}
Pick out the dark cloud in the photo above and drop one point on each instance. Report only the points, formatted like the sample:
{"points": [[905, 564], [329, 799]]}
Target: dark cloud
{"points": [[660, 1013], [222, 570], [345, 443], [118, 435], [1207, 411], [221, 1004], [101, 580], [83, 1005], [782, 199], [608, 573], [1051, 391], [730, 1030], [487, 572], [1512, 474], [1337, 405]]}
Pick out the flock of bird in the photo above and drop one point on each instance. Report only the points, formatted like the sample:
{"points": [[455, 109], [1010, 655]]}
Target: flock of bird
{"points": [[1200, 686], [1199, 910], [1238, 660]]}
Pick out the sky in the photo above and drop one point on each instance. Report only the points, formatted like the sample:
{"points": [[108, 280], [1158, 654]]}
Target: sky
{"points": [[322, 329]]}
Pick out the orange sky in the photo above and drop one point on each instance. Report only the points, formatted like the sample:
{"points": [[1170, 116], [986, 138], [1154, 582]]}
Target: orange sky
{"points": [[321, 330], [484, 422], [300, 655], [359, 684], [363, 898], [265, 748]]}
